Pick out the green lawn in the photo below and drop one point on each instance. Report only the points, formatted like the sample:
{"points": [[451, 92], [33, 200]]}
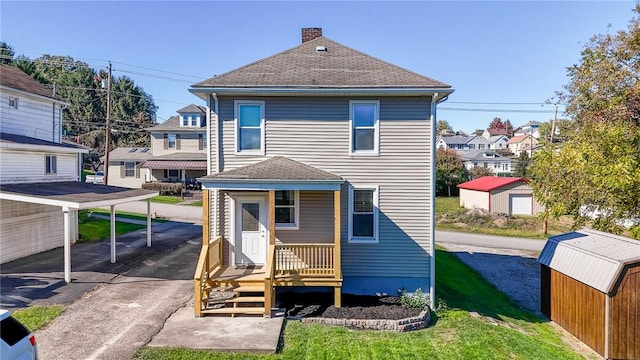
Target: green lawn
{"points": [[447, 204], [92, 229], [127, 215], [38, 316], [166, 199], [499, 331], [196, 203]]}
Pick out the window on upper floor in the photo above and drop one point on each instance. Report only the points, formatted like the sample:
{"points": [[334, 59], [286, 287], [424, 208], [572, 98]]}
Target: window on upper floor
{"points": [[194, 120], [364, 122], [472, 146], [249, 119], [13, 102], [50, 164], [185, 120], [170, 141], [363, 214], [287, 209], [480, 146], [129, 169]]}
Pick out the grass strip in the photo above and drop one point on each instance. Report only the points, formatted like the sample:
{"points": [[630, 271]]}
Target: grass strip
{"points": [[38, 316]]}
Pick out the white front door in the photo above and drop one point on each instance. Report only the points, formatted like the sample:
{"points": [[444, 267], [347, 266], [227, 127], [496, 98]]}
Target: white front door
{"points": [[251, 230]]}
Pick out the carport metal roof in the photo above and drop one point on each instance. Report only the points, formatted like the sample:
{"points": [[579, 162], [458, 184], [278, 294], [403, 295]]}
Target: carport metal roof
{"points": [[77, 195]]}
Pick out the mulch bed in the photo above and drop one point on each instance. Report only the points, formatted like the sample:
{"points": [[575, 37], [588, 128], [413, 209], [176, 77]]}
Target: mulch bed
{"points": [[314, 304]]}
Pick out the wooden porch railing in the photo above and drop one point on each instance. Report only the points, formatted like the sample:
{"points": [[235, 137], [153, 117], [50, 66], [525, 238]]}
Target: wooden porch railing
{"points": [[209, 262], [305, 260]]}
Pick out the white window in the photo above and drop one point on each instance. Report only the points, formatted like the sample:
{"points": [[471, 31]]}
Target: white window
{"points": [[194, 120], [204, 141], [185, 120], [129, 169], [249, 118], [363, 214], [13, 102], [364, 119], [173, 173], [287, 209], [50, 164], [171, 141]]}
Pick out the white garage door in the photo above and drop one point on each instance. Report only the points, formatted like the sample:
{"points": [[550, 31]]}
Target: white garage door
{"points": [[520, 204]]}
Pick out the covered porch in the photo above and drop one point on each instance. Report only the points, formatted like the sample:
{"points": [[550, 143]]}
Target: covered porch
{"points": [[283, 230]]}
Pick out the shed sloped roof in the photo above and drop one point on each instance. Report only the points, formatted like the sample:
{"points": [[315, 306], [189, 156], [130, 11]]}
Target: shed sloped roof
{"points": [[592, 257], [488, 183], [338, 67]]}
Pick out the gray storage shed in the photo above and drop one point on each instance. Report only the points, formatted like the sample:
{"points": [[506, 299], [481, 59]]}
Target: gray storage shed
{"points": [[590, 285]]}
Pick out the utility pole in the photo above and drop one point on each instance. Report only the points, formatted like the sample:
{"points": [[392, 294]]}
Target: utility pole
{"points": [[108, 130], [553, 124]]}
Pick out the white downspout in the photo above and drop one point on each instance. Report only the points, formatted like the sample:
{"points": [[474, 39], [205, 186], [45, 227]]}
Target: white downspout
{"points": [[432, 205]]}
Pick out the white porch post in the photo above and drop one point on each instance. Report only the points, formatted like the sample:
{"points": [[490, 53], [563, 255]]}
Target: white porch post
{"points": [[148, 222], [183, 176], [113, 234], [67, 244]]}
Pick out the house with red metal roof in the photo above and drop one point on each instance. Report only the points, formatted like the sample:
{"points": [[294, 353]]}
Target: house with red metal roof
{"points": [[501, 195]]}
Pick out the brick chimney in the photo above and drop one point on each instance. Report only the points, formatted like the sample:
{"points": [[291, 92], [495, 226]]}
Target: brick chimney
{"points": [[309, 34]]}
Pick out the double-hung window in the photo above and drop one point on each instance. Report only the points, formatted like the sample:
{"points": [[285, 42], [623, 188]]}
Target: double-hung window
{"points": [[185, 120], [129, 169], [171, 141], [364, 122], [287, 209], [363, 214], [50, 164], [249, 117], [194, 120]]}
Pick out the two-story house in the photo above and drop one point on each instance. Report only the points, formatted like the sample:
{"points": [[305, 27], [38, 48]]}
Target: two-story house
{"points": [[531, 128], [40, 188], [321, 174], [177, 153], [522, 143], [489, 159]]}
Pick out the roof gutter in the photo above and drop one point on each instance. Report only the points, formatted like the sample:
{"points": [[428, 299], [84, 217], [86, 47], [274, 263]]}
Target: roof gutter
{"points": [[203, 92]]}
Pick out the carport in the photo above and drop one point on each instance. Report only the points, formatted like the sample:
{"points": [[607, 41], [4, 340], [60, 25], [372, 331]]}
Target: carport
{"points": [[73, 195]]}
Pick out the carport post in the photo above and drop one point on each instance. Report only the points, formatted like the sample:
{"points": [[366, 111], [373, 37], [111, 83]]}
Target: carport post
{"points": [[67, 244], [113, 234], [149, 222]]}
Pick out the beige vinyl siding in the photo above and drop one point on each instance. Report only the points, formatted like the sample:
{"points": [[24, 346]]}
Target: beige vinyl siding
{"points": [[315, 131], [35, 117], [500, 198], [28, 229], [474, 199], [132, 182], [29, 167], [189, 142], [316, 220]]}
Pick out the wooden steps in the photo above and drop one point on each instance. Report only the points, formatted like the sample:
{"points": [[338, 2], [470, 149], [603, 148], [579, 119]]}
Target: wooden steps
{"points": [[246, 299], [233, 311], [249, 289]]}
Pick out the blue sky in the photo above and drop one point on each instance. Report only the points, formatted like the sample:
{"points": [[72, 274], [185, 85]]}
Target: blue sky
{"points": [[499, 56]]}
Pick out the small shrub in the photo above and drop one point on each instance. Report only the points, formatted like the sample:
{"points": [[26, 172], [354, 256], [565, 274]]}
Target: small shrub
{"points": [[417, 300], [168, 189]]}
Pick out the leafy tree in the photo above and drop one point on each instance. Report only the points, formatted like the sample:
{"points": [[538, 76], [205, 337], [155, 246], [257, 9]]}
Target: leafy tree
{"points": [[132, 109], [522, 165], [443, 125], [480, 171], [6, 53], [450, 171], [595, 172], [497, 123]]}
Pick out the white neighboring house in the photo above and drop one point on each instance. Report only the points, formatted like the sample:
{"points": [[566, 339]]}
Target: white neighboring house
{"points": [[498, 142], [530, 128], [462, 143], [32, 151], [499, 165]]}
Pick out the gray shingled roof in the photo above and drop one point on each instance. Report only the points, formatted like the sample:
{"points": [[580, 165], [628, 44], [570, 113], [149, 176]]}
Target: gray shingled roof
{"points": [[126, 154], [193, 108], [480, 155], [15, 78], [338, 67], [456, 139], [173, 124], [276, 168], [26, 140]]}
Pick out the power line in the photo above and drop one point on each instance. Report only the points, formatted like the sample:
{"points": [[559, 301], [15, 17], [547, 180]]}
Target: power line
{"points": [[499, 110]]}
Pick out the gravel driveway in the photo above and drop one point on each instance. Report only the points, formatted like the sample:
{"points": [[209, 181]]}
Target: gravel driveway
{"points": [[514, 272]]}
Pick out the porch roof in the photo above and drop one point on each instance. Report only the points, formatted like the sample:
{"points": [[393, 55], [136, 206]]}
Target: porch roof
{"points": [[175, 164], [276, 173]]}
